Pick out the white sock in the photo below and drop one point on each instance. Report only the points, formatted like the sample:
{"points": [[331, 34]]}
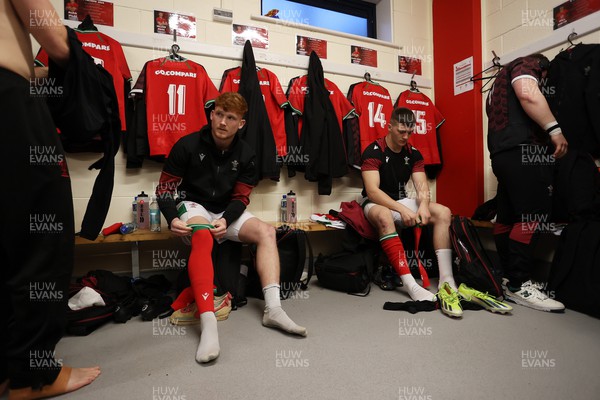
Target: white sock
{"points": [[272, 296], [416, 291], [274, 315], [208, 349], [444, 258]]}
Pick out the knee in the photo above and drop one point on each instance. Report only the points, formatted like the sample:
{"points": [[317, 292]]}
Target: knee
{"points": [[444, 215], [383, 220], [266, 233]]}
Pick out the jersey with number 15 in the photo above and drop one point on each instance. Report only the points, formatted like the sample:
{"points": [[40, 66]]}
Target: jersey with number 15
{"points": [[428, 119], [176, 94]]}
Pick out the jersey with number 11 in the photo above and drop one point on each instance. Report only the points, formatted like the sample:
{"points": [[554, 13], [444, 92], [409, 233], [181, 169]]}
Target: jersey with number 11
{"points": [[176, 94]]}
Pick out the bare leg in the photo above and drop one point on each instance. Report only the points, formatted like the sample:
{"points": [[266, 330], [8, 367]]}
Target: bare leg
{"points": [[267, 266], [441, 219]]}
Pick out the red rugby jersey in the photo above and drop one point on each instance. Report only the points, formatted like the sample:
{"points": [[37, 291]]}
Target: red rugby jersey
{"points": [[176, 94], [429, 118], [107, 52], [273, 96], [373, 104]]}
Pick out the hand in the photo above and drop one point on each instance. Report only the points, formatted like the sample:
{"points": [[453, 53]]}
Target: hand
{"points": [[560, 145], [220, 228], [423, 216], [409, 218], [180, 228]]}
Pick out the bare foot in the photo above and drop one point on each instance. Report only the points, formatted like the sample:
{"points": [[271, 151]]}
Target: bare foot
{"points": [[68, 380], [81, 377]]}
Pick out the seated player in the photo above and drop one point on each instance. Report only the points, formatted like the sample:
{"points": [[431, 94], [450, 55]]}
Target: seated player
{"points": [[214, 171], [388, 164]]}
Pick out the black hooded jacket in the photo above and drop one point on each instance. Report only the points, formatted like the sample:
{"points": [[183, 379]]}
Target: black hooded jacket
{"points": [[257, 132], [321, 139]]}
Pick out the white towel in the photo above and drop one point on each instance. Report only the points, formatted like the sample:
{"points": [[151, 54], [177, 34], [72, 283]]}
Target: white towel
{"points": [[86, 297]]}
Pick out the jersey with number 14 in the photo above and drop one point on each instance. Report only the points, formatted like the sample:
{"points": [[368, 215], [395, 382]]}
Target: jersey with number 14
{"points": [[373, 104], [428, 119], [176, 94]]}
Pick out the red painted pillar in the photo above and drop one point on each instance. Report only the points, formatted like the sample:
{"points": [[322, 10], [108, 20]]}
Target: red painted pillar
{"points": [[457, 36]]}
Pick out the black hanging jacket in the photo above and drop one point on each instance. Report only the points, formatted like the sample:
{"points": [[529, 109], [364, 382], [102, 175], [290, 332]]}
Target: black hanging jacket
{"points": [[88, 113], [257, 132], [573, 93], [321, 139]]}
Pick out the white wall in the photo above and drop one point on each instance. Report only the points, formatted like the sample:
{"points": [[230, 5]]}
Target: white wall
{"points": [[515, 28], [411, 27]]}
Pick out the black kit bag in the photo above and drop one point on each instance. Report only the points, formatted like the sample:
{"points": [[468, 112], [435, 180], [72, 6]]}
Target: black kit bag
{"points": [[472, 265], [349, 272], [295, 253]]}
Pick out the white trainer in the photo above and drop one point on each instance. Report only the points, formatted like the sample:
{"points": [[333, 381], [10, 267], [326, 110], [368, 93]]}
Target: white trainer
{"points": [[531, 295]]}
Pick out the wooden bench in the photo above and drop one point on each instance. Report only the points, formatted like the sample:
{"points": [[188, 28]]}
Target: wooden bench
{"points": [[138, 236]]}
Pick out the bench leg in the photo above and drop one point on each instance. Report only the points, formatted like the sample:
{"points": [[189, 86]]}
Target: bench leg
{"points": [[135, 260]]}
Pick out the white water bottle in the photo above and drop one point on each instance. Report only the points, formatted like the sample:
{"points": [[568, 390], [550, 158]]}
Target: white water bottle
{"points": [[292, 213]]}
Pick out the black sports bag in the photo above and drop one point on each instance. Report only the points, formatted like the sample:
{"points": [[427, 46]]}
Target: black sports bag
{"points": [[472, 265]]}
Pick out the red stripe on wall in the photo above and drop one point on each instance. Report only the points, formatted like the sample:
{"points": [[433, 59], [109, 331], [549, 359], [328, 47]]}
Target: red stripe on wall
{"points": [[457, 36]]}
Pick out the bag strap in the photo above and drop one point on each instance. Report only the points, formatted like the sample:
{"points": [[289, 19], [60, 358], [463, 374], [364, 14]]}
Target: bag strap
{"points": [[311, 264]]}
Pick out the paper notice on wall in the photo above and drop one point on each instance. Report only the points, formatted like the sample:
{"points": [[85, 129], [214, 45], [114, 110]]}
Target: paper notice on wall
{"points": [[101, 12], [463, 71], [167, 23], [258, 37], [305, 45], [363, 56]]}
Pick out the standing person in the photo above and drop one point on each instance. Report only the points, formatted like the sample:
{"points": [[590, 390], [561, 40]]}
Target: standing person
{"points": [[213, 171], [524, 140], [37, 236], [388, 164]]}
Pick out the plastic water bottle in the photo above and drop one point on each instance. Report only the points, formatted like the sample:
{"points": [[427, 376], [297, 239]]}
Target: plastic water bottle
{"points": [[283, 213], [154, 215], [143, 211], [292, 213], [127, 228], [134, 211]]}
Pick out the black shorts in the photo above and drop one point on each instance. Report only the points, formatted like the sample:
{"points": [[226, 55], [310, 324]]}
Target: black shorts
{"points": [[37, 235], [525, 177]]}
